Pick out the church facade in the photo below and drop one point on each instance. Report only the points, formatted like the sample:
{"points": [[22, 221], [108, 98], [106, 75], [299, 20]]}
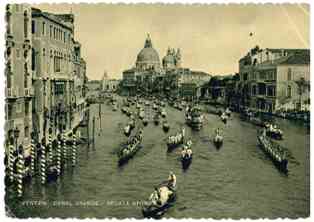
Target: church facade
{"points": [[150, 76]]}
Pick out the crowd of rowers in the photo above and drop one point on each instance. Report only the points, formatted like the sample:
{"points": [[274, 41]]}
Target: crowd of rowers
{"points": [[133, 142]]}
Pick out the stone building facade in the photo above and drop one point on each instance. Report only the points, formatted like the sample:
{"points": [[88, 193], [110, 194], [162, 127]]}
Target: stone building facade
{"points": [[18, 73], [275, 79], [41, 72]]}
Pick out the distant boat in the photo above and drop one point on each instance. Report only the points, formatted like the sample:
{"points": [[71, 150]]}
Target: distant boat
{"points": [[175, 140], [194, 118]]}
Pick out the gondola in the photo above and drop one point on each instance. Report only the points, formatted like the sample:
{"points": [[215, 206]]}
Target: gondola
{"points": [[218, 141], [156, 119], [194, 118], [186, 155], [176, 140], [165, 126], [224, 118], [145, 121], [157, 208], [274, 151], [130, 149], [52, 173]]}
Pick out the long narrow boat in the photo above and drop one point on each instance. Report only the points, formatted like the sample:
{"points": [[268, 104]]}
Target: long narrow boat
{"points": [[130, 149], [218, 141], [276, 153], [186, 155]]}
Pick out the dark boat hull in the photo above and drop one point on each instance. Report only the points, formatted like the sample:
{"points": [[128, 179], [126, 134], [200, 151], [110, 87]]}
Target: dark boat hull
{"points": [[158, 212], [186, 162], [218, 143]]}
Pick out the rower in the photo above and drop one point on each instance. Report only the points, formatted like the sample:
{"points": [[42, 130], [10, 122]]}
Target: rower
{"points": [[189, 152], [172, 180]]}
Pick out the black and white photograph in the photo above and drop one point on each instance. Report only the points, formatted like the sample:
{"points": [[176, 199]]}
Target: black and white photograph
{"points": [[156, 110]]}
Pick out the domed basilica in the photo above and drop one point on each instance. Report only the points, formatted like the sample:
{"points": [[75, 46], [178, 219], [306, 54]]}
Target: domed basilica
{"points": [[148, 58]]}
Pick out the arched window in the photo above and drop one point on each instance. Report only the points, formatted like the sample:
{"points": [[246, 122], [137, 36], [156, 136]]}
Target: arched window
{"points": [[25, 24], [33, 59], [289, 74], [289, 91]]}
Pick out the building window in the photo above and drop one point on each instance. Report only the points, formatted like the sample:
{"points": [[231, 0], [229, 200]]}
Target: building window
{"points": [[33, 27], [271, 91], [44, 52], [56, 63], [54, 33], [18, 53], [18, 107], [289, 92], [10, 111], [26, 131], [254, 90], [64, 37], [26, 108], [44, 28], [50, 31], [289, 74], [25, 80], [33, 59], [25, 25], [9, 80]]}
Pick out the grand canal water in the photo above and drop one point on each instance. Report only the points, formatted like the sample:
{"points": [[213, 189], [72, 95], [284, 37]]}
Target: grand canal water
{"points": [[234, 182]]}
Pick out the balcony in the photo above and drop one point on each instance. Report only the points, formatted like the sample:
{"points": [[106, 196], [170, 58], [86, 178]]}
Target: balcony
{"points": [[27, 44], [9, 41], [11, 93], [28, 92]]}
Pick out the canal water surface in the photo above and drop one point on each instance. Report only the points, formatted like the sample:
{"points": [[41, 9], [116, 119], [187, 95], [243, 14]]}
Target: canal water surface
{"points": [[236, 181]]}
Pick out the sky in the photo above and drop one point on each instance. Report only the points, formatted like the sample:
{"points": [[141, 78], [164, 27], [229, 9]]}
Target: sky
{"points": [[212, 38]]}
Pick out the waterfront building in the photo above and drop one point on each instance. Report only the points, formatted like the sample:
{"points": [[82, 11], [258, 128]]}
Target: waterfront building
{"points": [[53, 74], [44, 74], [18, 74], [275, 79]]}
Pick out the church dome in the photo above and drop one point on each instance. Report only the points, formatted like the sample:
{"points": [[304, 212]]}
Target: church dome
{"points": [[169, 59], [148, 57]]}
